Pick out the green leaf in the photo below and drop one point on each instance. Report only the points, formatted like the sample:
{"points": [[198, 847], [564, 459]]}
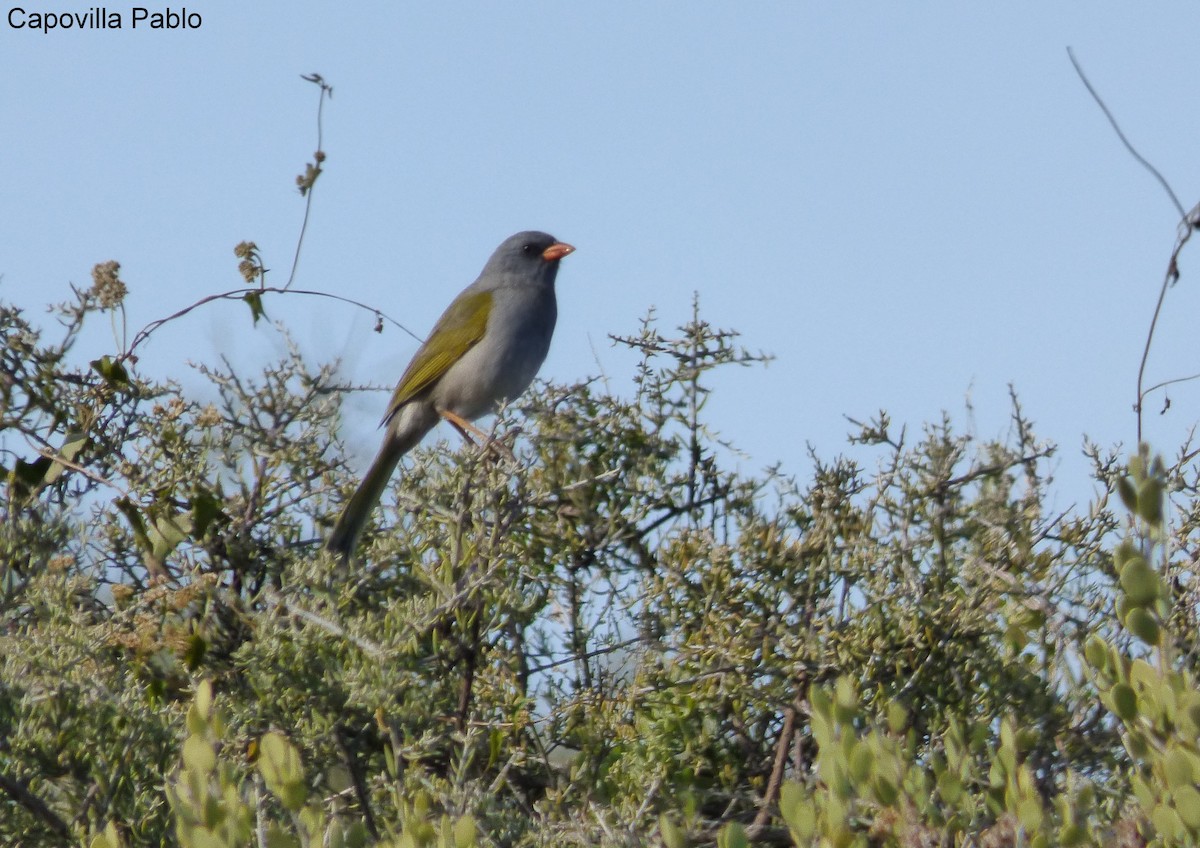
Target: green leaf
{"points": [[1168, 823], [136, 522], [1143, 624], [886, 792], [1128, 493], [110, 838], [198, 755], [845, 701], [862, 759], [1150, 501], [202, 706], [1177, 768], [1124, 701], [167, 533], [26, 478], [1030, 813], [822, 704], [205, 508], [950, 787], [279, 764], [72, 445], [672, 834], [465, 832], [112, 371], [1070, 835], [254, 301], [197, 647], [1096, 653], [733, 835], [1187, 803], [279, 838], [797, 811], [1139, 582], [1142, 791]]}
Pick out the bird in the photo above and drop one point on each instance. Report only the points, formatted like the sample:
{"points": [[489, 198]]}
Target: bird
{"points": [[485, 349]]}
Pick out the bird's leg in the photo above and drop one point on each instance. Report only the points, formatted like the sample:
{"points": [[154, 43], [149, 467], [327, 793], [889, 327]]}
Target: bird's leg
{"points": [[465, 428]]}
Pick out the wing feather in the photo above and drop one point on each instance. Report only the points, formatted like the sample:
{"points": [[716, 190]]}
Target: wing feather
{"points": [[459, 329]]}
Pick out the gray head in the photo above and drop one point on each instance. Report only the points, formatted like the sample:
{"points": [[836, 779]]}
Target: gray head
{"points": [[528, 257]]}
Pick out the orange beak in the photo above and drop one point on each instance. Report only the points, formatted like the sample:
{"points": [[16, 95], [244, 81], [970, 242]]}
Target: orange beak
{"points": [[557, 251]]}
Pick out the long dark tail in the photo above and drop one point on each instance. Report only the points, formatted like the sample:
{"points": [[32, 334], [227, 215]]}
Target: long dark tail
{"points": [[398, 441]]}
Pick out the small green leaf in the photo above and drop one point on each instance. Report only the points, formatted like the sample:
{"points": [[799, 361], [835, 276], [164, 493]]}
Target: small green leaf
{"points": [[1125, 551], [254, 301], [136, 522], [1128, 494], [1029, 811], [822, 704], [279, 838], [1137, 465], [72, 445], [1070, 835], [205, 508], [167, 533], [1177, 768], [861, 762], [465, 832], [1142, 791], [279, 764], [886, 792], [198, 755], [202, 702], [1187, 803], [1139, 582], [1150, 501], [1124, 701], [27, 478], [797, 811], [845, 701], [1096, 653], [112, 371], [733, 835], [1168, 823], [672, 834], [110, 838], [193, 656], [1141, 623]]}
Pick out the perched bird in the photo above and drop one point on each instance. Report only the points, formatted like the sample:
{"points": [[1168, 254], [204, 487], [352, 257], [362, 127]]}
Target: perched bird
{"points": [[486, 348]]}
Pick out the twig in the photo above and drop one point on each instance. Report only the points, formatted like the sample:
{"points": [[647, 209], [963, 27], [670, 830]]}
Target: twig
{"points": [[238, 294], [54, 456], [1189, 378], [309, 185], [274, 599], [1188, 222], [1121, 135], [360, 788], [781, 758], [19, 793]]}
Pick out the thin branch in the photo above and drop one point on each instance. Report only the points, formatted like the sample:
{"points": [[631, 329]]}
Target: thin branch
{"points": [[1121, 135], [365, 645], [55, 456], [1171, 382], [781, 758], [309, 181], [356, 778], [1188, 222], [238, 294], [21, 794]]}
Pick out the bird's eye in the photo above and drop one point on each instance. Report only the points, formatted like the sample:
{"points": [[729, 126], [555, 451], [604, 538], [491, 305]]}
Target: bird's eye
{"points": [[527, 249]]}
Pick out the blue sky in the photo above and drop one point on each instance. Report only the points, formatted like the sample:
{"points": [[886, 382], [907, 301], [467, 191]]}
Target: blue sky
{"points": [[909, 205]]}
